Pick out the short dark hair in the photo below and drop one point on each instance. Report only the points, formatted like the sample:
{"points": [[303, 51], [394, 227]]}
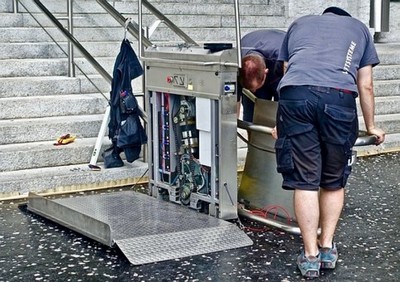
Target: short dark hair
{"points": [[336, 11], [253, 67]]}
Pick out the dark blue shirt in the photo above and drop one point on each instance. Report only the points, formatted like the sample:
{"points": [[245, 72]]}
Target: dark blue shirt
{"points": [[267, 43]]}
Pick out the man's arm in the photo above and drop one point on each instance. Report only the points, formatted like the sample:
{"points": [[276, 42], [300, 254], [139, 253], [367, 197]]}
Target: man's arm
{"points": [[285, 66], [238, 108], [274, 130], [367, 102]]}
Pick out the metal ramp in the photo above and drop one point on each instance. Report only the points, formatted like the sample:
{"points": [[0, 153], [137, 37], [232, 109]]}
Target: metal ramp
{"points": [[146, 229]]}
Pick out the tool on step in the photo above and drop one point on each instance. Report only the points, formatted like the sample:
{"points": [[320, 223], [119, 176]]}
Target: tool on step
{"points": [[65, 139]]}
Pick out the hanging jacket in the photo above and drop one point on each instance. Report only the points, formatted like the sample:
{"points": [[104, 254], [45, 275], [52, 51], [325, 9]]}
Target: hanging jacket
{"points": [[124, 128]]}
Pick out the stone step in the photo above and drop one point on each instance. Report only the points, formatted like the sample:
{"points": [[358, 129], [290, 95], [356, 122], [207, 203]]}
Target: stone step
{"points": [[386, 72], [58, 7], [387, 105], [53, 67], [384, 105], [104, 20], [387, 88], [66, 178], [80, 20], [52, 105], [388, 122], [41, 50], [96, 34], [49, 128], [50, 85], [388, 53], [59, 66], [38, 86], [247, 7], [45, 154], [37, 34], [33, 67]]}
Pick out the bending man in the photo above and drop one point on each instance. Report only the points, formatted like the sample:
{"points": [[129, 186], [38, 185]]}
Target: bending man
{"points": [[328, 60], [260, 72]]}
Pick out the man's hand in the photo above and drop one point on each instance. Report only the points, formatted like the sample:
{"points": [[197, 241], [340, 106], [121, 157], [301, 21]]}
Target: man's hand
{"points": [[379, 133], [274, 133]]}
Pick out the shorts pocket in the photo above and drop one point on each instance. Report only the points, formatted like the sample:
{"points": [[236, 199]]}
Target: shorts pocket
{"points": [[340, 123], [283, 153]]}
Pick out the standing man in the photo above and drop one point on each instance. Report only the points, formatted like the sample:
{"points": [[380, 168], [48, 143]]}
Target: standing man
{"points": [[328, 60], [260, 72]]}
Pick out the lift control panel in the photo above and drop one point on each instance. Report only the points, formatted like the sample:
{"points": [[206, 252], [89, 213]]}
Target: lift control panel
{"points": [[192, 150]]}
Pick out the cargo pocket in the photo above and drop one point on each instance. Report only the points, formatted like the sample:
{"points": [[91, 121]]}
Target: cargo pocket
{"points": [[283, 153], [339, 124]]}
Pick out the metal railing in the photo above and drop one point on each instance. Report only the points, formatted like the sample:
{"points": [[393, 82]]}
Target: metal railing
{"points": [[134, 28], [131, 27], [73, 40], [15, 6]]}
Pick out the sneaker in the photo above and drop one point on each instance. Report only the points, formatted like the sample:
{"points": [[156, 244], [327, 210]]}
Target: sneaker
{"points": [[328, 257], [308, 266]]}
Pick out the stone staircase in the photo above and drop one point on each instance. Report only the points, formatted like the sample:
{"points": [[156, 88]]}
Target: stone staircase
{"points": [[387, 101], [39, 102]]}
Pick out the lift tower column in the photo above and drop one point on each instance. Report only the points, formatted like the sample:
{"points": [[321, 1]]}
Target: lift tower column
{"points": [[191, 101]]}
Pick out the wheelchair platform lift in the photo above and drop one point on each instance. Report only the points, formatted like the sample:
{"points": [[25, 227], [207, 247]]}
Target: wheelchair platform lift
{"points": [[190, 99]]}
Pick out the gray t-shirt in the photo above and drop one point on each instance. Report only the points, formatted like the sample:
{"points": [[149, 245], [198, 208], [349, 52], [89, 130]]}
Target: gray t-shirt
{"points": [[326, 50]]}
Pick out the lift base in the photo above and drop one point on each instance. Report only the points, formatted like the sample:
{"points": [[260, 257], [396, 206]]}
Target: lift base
{"points": [[144, 228]]}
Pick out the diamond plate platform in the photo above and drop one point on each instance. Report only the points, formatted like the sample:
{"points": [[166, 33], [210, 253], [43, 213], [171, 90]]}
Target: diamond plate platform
{"points": [[144, 228]]}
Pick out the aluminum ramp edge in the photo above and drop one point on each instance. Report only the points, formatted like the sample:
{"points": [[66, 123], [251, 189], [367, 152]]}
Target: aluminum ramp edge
{"points": [[70, 218], [182, 244], [144, 228]]}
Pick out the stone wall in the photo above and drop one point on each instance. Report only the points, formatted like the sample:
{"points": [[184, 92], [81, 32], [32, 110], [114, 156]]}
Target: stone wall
{"points": [[359, 9], [394, 25]]}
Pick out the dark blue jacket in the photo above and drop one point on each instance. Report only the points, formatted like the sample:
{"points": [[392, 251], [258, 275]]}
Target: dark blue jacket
{"points": [[125, 128]]}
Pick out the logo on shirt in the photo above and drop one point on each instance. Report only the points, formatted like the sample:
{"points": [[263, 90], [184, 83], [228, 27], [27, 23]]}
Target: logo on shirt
{"points": [[349, 57]]}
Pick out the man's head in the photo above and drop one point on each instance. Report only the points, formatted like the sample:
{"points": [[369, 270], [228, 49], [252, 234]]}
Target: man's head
{"points": [[336, 11], [253, 72]]}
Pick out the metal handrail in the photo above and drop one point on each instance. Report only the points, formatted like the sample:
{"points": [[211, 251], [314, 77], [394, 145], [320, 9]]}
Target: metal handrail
{"points": [[160, 16], [15, 6], [59, 46], [238, 36], [281, 225], [169, 23], [132, 27], [79, 46], [71, 64], [76, 43], [185, 37], [362, 140]]}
